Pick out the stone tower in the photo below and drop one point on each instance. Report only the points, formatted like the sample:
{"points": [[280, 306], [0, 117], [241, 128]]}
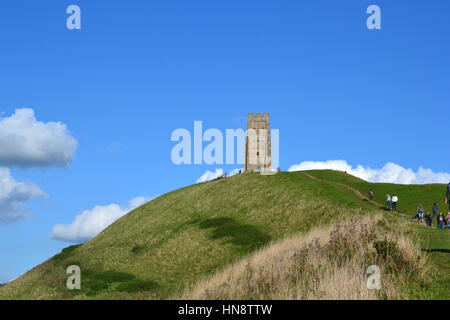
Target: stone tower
{"points": [[258, 149]]}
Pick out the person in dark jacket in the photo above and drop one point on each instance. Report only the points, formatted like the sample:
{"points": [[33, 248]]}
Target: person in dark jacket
{"points": [[441, 222], [428, 218], [435, 210], [447, 196]]}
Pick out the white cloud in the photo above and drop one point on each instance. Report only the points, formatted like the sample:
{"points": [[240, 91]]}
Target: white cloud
{"points": [[208, 175], [26, 142], [390, 172], [13, 195], [91, 222]]}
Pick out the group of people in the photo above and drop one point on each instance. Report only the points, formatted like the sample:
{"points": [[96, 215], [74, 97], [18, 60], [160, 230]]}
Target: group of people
{"points": [[391, 202], [224, 175], [441, 220]]}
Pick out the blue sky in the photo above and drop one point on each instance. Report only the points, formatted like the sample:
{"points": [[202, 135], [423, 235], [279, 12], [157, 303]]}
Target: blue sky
{"points": [[137, 70]]}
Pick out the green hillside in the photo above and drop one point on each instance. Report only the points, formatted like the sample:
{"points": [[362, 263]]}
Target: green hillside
{"points": [[410, 196], [171, 243], [435, 242]]}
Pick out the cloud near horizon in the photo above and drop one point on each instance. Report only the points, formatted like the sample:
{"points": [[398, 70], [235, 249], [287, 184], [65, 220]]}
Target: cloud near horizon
{"points": [[13, 195], [209, 175], [26, 142], [389, 173], [91, 222]]}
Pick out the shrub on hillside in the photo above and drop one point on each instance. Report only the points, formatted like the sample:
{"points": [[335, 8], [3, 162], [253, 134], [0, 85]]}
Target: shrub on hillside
{"points": [[327, 264]]}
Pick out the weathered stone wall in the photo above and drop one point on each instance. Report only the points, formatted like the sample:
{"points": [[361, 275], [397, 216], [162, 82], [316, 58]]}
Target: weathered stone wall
{"points": [[258, 149]]}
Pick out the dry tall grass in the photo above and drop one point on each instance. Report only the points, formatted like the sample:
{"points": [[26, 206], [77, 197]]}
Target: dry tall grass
{"points": [[327, 263]]}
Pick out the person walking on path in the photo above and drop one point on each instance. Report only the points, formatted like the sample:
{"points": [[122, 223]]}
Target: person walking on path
{"points": [[420, 213], [394, 202], [441, 221], [428, 219], [371, 195], [388, 202], [435, 210]]}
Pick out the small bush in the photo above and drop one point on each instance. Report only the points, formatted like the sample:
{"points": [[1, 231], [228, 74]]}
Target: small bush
{"points": [[386, 249], [391, 256]]}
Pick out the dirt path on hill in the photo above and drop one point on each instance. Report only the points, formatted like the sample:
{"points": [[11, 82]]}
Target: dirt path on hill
{"points": [[355, 191]]}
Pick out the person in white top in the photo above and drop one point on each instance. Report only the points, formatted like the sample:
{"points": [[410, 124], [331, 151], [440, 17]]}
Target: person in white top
{"points": [[394, 202]]}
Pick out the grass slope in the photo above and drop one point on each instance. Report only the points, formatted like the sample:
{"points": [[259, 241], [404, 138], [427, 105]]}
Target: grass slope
{"points": [[328, 263], [410, 196], [433, 241], [165, 246], [186, 234]]}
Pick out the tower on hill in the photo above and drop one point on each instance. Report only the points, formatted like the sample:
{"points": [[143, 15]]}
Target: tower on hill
{"points": [[258, 149]]}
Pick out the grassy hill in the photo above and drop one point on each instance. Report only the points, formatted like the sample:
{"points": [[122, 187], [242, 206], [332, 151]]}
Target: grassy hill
{"points": [[410, 196], [327, 263], [167, 246]]}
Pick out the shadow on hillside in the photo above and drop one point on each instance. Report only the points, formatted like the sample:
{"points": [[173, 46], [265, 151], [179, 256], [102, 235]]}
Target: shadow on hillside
{"points": [[95, 282], [244, 235], [437, 250]]}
